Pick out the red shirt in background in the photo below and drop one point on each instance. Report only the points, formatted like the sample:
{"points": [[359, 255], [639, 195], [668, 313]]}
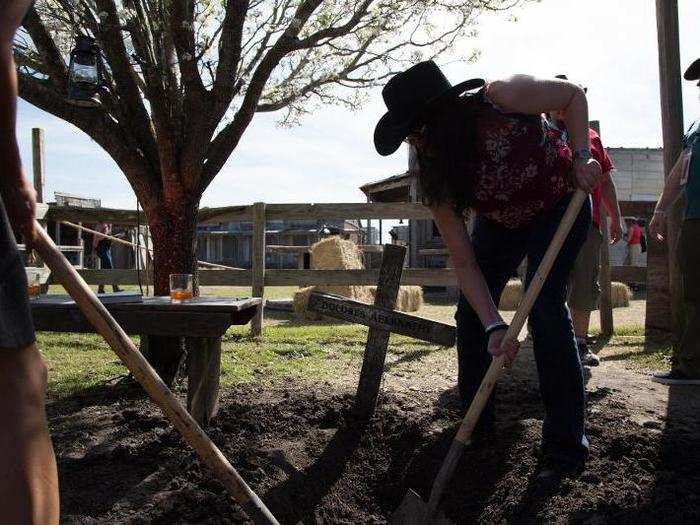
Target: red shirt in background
{"points": [[635, 235], [598, 153]]}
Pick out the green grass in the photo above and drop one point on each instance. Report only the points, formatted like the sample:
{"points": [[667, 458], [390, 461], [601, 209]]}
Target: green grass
{"points": [[288, 351]]}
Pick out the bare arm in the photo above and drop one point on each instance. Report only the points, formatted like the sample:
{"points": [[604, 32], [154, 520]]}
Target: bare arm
{"points": [[469, 277], [672, 189], [609, 198], [17, 192], [532, 96]]}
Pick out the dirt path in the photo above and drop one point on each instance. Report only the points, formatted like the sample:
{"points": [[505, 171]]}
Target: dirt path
{"points": [[298, 446]]}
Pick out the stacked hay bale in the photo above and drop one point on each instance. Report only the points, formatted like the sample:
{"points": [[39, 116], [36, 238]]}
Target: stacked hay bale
{"points": [[513, 294], [621, 295], [334, 253]]}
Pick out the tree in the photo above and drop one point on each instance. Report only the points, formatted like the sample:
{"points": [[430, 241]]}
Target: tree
{"points": [[184, 78]]}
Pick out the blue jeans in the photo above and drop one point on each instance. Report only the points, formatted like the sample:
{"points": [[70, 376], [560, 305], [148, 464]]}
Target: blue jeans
{"points": [[499, 251]]}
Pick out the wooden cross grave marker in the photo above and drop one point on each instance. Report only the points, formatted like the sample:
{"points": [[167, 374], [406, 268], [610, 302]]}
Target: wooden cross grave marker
{"points": [[382, 320]]}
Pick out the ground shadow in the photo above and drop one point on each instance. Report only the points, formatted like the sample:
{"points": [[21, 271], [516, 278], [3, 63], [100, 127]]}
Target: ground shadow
{"points": [[298, 497], [674, 497]]}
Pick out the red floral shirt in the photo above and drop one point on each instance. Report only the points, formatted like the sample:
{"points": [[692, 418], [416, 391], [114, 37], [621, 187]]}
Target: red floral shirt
{"points": [[521, 166]]}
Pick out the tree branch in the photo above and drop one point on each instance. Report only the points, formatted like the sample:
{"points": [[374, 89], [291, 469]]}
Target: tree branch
{"points": [[98, 125], [225, 142]]}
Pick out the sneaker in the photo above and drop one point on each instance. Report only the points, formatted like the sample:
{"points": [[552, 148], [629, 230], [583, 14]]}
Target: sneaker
{"points": [[588, 358], [674, 377]]}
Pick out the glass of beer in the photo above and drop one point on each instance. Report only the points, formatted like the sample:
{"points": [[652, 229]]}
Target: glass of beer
{"points": [[33, 284], [180, 287]]}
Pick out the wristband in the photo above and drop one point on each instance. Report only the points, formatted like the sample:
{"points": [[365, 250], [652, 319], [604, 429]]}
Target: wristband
{"points": [[494, 327]]}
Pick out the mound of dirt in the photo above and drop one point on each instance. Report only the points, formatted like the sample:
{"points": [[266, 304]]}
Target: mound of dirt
{"points": [[301, 450]]}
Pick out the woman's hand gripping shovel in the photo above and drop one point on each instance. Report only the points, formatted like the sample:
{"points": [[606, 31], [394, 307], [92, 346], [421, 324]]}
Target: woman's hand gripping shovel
{"points": [[413, 510]]}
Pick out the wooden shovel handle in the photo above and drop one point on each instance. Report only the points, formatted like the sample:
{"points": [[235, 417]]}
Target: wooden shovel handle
{"points": [[124, 347], [489, 381]]}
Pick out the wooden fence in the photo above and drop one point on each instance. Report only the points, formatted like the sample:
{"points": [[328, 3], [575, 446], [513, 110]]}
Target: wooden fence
{"points": [[259, 277]]}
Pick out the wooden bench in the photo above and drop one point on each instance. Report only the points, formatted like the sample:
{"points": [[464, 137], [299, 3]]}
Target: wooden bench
{"points": [[204, 319]]}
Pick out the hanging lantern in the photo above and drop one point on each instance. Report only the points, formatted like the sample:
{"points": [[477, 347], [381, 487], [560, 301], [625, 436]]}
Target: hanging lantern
{"points": [[84, 73]]}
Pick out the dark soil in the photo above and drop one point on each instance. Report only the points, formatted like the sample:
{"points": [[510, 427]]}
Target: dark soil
{"points": [[300, 449]]}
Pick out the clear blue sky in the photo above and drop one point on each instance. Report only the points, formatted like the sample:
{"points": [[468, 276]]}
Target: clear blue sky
{"points": [[609, 45]]}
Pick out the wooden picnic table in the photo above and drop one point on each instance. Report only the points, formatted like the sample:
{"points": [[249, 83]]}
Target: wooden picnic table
{"points": [[203, 320]]}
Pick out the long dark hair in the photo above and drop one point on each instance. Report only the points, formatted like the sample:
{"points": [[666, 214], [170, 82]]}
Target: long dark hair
{"points": [[445, 152]]}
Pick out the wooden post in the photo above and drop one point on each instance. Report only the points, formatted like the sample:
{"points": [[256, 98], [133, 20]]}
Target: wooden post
{"points": [[607, 327], [663, 312], [413, 229], [377, 338], [604, 279], [38, 162], [258, 265]]}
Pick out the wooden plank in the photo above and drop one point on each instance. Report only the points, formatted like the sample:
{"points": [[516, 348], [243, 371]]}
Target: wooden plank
{"points": [[93, 215], [606, 310], [203, 377], [162, 304], [629, 274], [166, 324], [637, 208], [377, 338], [291, 211], [340, 307], [258, 281], [664, 303], [411, 276]]}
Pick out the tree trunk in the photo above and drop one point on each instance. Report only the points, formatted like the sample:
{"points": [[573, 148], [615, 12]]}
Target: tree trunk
{"points": [[173, 227]]}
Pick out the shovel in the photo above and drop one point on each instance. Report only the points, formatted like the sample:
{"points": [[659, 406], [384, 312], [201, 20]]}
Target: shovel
{"points": [[413, 511], [105, 324]]}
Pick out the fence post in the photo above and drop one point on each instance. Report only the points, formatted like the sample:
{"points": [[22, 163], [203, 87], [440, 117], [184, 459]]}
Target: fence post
{"points": [[606, 310], [258, 265]]}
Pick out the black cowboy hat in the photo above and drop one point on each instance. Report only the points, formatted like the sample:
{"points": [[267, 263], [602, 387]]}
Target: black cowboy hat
{"points": [[564, 77], [406, 95], [693, 72]]}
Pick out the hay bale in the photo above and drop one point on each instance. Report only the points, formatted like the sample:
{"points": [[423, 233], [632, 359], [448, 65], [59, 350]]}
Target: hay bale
{"points": [[620, 295], [334, 253], [409, 299], [511, 296]]}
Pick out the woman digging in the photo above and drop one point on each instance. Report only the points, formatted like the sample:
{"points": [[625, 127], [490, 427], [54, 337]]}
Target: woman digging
{"points": [[486, 146]]}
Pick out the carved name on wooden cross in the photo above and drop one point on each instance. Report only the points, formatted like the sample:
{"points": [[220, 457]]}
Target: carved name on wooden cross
{"points": [[382, 320]]}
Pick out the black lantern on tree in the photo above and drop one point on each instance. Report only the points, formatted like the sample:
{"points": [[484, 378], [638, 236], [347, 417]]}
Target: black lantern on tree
{"points": [[84, 73]]}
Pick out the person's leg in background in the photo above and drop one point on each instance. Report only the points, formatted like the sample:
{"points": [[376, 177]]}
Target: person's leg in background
{"points": [[498, 252], [565, 446], [686, 353], [584, 292], [105, 255]]}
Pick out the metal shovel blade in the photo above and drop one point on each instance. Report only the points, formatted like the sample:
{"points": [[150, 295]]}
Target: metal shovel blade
{"points": [[414, 511]]}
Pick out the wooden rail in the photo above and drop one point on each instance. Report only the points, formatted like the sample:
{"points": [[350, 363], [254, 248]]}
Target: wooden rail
{"points": [[260, 277], [411, 276]]}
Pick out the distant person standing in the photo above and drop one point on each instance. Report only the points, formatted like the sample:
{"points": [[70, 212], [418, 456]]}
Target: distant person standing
{"points": [[584, 289], [685, 176], [102, 247], [634, 243]]}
